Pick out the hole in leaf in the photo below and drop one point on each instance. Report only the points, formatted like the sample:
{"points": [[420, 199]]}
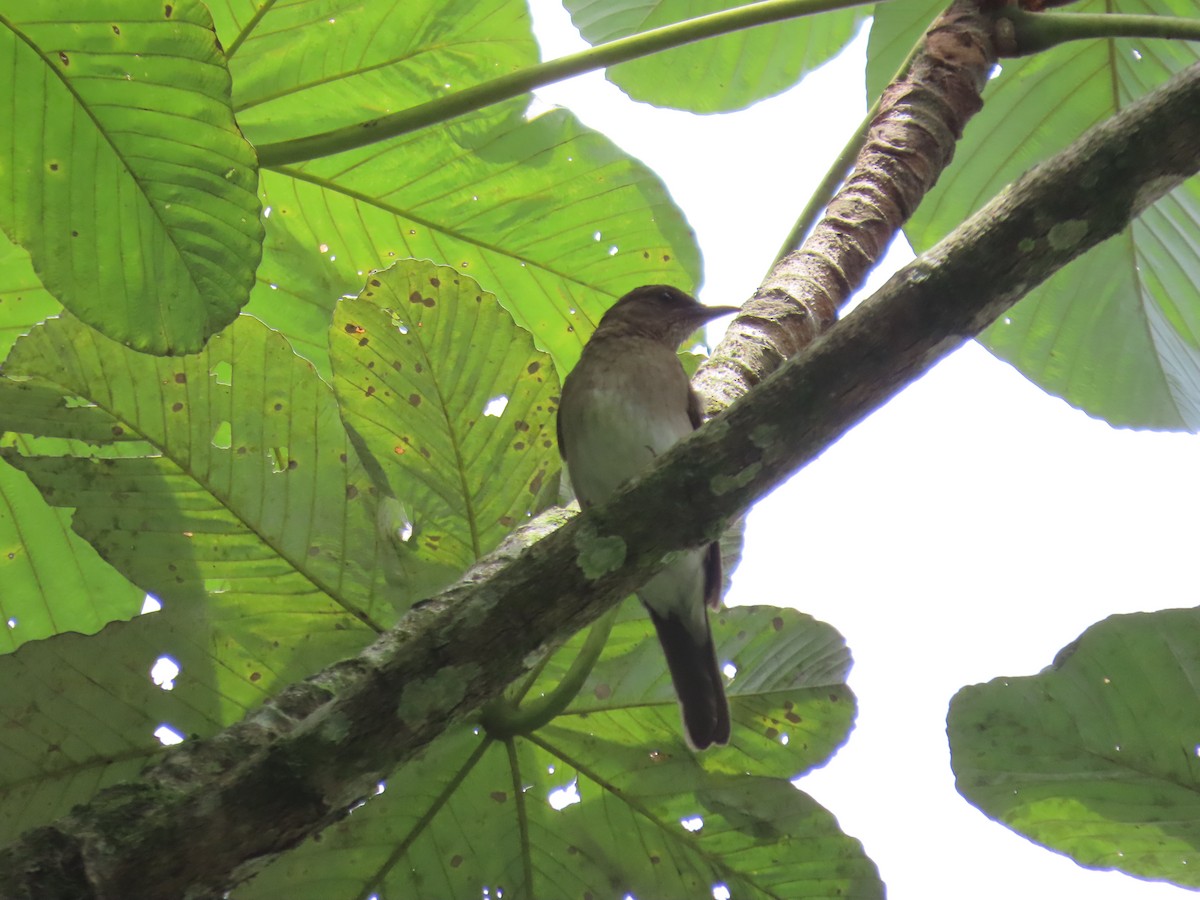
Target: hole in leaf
{"points": [[561, 798], [168, 736], [164, 672]]}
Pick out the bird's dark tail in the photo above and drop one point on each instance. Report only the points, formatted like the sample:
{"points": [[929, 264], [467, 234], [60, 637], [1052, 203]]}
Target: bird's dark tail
{"points": [[697, 680]]}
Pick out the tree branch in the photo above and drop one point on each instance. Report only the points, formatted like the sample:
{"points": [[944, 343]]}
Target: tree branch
{"points": [[909, 144], [212, 810]]}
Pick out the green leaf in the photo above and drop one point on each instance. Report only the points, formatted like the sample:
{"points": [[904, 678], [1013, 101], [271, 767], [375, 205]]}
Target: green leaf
{"points": [[1097, 757], [419, 359], [128, 181], [23, 300], [224, 484], [550, 216], [789, 702], [1115, 333], [478, 814], [547, 214], [718, 74], [81, 713], [234, 476], [53, 580], [309, 66]]}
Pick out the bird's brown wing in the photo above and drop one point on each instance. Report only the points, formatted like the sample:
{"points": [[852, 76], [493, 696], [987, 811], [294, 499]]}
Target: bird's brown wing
{"points": [[694, 411]]}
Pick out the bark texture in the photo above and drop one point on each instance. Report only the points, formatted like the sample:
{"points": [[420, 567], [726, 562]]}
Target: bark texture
{"points": [[910, 143]]}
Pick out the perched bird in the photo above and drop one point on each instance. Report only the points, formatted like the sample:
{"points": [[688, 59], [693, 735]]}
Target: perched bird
{"points": [[627, 401]]}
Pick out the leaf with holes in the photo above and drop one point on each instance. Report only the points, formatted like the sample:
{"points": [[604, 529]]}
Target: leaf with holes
{"points": [[609, 795], [549, 214], [454, 405], [127, 179]]}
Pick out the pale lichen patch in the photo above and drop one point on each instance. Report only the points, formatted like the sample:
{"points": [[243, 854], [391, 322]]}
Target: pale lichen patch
{"points": [[443, 689], [1068, 234], [723, 484], [763, 436], [599, 554]]}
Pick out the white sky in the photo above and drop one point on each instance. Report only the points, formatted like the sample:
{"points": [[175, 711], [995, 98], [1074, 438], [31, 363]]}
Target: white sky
{"points": [[918, 535]]}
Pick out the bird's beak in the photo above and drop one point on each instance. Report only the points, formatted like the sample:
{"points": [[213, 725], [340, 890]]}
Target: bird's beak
{"points": [[715, 312]]}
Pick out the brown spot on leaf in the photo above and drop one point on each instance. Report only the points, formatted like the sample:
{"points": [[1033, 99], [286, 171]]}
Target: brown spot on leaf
{"points": [[116, 30], [370, 390], [314, 551], [536, 484], [533, 367], [66, 60], [117, 430], [414, 399], [169, 10], [293, 465], [53, 167], [278, 407], [362, 342], [603, 691], [499, 796], [351, 328], [255, 676], [375, 282], [507, 521], [425, 453], [519, 445], [435, 281], [777, 623], [176, 407], [521, 425], [455, 861], [180, 378], [351, 491]]}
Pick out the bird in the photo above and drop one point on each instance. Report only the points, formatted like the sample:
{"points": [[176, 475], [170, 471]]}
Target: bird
{"points": [[625, 402]]}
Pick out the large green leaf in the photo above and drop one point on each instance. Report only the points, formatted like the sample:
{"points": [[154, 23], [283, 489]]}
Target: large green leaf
{"points": [[1097, 757], [223, 483], [242, 446], [547, 214], [418, 358], [128, 181], [718, 74], [653, 818], [1116, 332], [81, 712]]}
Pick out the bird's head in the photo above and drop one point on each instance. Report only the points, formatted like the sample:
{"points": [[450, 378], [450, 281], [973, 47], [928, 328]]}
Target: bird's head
{"points": [[661, 312]]}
